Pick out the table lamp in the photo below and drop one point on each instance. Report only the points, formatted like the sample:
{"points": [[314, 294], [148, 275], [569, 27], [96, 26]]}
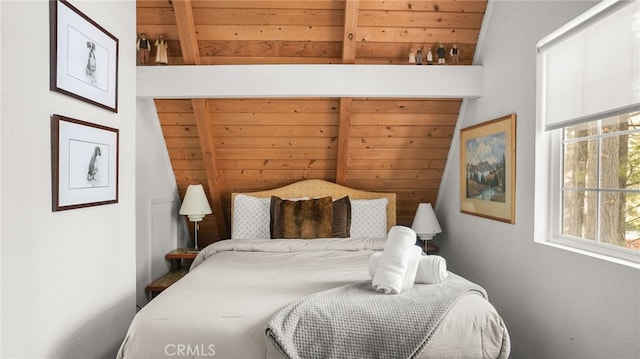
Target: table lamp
{"points": [[195, 206], [425, 223]]}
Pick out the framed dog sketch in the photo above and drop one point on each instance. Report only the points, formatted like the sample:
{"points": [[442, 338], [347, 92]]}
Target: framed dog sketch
{"points": [[84, 163], [84, 57], [488, 169]]}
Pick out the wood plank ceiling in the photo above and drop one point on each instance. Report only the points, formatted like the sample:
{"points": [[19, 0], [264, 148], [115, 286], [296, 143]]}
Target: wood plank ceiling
{"points": [[230, 145]]}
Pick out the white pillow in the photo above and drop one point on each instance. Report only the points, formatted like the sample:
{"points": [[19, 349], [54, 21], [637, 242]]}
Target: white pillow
{"points": [[251, 216], [369, 217]]}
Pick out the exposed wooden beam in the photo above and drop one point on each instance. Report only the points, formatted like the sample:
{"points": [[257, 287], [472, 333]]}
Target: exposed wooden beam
{"points": [[191, 56], [350, 31], [340, 80], [348, 57], [201, 112], [187, 31], [207, 146], [343, 140]]}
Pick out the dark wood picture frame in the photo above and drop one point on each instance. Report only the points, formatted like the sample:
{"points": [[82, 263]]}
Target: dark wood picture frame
{"points": [[84, 57], [488, 169], [84, 163]]}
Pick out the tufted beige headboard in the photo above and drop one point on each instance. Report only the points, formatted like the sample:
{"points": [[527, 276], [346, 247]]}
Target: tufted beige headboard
{"points": [[320, 188]]}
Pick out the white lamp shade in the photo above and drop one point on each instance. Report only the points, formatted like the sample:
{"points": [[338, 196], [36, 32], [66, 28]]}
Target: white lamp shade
{"points": [[195, 204], [425, 223]]}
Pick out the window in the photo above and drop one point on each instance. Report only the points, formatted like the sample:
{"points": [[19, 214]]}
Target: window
{"points": [[588, 134], [600, 193]]}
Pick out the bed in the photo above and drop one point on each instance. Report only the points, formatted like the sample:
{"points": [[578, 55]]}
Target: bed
{"points": [[236, 286]]}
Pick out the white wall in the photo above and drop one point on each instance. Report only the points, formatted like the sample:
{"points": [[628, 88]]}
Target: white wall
{"points": [[155, 187], [1, 116], [556, 304], [68, 278]]}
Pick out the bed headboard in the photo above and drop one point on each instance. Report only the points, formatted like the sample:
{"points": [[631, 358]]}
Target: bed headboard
{"points": [[320, 188]]}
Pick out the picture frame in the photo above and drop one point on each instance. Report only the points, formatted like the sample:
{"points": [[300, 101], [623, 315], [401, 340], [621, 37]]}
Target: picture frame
{"points": [[84, 57], [84, 163], [488, 169]]}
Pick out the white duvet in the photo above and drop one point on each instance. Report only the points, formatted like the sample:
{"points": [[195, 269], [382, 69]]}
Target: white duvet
{"points": [[219, 309]]}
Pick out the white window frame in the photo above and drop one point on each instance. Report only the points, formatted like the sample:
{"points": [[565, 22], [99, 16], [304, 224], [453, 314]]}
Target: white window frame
{"points": [[556, 180], [549, 172]]}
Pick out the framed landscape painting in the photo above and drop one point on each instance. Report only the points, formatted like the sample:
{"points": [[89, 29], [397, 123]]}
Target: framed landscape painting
{"points": [[488, 169], [84, 57], [84, 164]]}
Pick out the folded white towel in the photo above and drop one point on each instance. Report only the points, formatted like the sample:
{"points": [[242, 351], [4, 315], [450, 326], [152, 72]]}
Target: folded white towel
{"points": [[394, 262], [431, 269], [412, 268], [374, 260]]}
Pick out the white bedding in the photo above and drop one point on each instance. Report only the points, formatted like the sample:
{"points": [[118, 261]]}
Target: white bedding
{"points": [[221, 307]]}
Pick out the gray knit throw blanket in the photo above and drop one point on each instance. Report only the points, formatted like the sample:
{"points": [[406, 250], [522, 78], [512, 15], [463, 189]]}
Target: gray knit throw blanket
{"points": [[354, 321]]}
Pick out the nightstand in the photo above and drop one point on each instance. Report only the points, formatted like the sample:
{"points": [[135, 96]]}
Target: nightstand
{"points": [[430, 248], [180, 260]]}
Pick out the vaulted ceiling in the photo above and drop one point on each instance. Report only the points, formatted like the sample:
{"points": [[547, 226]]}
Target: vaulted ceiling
{"points": [[230, 145]]}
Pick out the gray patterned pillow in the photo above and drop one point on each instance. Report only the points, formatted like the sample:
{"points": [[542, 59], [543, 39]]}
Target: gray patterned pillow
{"points": [[250, 217], [369, 218]]}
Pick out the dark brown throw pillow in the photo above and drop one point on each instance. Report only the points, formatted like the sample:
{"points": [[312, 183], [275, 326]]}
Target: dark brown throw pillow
{"points": [[342, 217], [304, 219]]}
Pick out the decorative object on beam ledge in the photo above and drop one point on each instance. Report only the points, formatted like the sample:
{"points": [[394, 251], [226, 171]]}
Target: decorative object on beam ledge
{"points": [[419, 57], [429, 57], [455, 54]]}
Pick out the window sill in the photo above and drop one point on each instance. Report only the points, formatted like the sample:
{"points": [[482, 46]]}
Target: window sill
{"points": [[588, 253]]}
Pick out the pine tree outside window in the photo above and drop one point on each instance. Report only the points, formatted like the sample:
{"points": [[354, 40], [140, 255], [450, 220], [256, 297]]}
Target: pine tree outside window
{"points": [[601, 181]]}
